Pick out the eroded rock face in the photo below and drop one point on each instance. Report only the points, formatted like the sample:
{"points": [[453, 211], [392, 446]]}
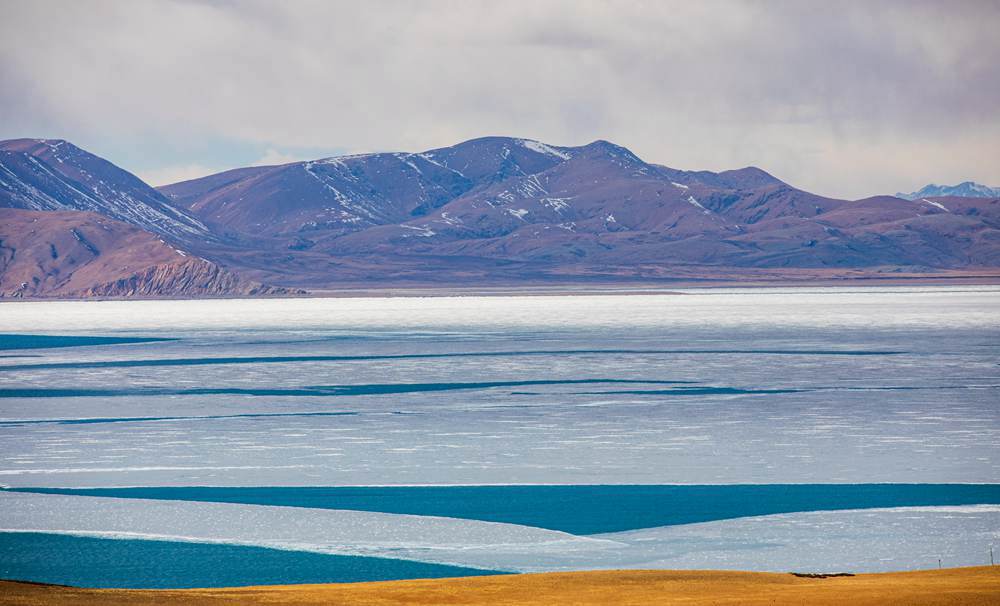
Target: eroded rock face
{"points": [[190, 278], [72, 254]]}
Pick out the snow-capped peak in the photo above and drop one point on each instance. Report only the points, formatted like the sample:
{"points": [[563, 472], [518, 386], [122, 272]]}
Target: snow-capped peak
{"points": [[966, 189]]}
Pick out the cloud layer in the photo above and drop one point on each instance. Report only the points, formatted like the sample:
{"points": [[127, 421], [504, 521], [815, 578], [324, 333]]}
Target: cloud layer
{"points": [[845, 99]]}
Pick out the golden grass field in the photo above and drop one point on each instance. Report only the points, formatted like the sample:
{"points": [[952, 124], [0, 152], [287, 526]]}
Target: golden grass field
{"points": [[950, 587]]}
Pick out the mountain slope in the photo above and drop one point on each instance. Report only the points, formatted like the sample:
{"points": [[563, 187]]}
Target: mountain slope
{"points": [[483, 188], [505, 209], [494, 210], [47, 174], [82, 254], [351, 193]]}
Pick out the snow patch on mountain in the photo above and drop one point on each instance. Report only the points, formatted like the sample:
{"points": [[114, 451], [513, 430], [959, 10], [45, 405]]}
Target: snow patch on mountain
{"points": [[531, 187], [542, 148], [936, 204], [556, 204], [447, 219], [691, 200], [430, 158], [423, 231]]}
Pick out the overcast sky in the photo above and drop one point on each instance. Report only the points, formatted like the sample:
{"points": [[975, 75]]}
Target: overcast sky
{"points": [[845, 99]]}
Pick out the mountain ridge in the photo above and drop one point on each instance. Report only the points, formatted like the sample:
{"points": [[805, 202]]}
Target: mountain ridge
{"points": [[505, 210], [965, 189], [53, 174]]}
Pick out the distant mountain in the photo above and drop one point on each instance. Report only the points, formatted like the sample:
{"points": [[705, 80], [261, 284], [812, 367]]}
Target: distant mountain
{"points": [[486, 188], [501, 209], [84, 254], [52, 174], [966, 189], [351, 193], [490, 211]]}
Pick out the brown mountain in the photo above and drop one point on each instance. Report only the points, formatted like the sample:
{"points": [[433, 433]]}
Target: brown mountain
{"points": [[52, 174], [511, 210], [491, 211], [72, 254]]}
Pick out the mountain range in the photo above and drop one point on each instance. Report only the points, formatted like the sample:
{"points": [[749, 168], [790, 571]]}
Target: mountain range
{"points": [[494, 211], [966, 189]]}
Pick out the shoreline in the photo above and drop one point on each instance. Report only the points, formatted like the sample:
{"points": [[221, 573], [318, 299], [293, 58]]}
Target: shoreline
{"points": [[945, 587], [610, 288]]}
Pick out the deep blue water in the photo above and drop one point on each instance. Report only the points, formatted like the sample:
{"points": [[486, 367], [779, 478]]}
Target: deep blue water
{"points": [[101, 420], [142, 564], [322, 390], [579, 509], [10, 341]]}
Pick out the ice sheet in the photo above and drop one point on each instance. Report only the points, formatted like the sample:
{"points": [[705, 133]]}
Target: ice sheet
{"points": [[841, 541], [871, 540], [960, 306], [295, 528], [790, 385]]}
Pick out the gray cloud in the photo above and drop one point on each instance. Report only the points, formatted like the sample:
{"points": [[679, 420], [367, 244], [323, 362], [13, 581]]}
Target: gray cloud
{"points": [[845, 99]]}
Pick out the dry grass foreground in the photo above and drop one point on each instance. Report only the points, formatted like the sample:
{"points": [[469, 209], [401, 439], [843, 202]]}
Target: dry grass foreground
{"points": [[980, 585]]}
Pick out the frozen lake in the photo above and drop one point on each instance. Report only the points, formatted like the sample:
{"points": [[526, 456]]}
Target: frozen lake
{"points": [[776, 386], [763, 386]]}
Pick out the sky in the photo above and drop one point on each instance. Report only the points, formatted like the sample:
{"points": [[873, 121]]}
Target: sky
{"points": [[845, 99]]}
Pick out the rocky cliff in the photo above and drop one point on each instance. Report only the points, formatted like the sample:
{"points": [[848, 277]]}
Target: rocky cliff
{"points": [[73, 254]]}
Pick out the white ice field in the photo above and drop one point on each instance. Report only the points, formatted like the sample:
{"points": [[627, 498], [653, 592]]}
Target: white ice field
{"points": [[864, 540], [853, 385]]}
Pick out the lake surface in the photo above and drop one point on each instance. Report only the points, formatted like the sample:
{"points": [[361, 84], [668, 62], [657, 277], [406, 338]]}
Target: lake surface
{"points": [[142, 564], [580, 510], [280, 402]]}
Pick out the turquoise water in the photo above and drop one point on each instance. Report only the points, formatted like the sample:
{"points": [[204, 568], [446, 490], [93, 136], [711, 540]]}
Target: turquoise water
{"points": [[14, 341], [142, 564], [578, 509]]}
